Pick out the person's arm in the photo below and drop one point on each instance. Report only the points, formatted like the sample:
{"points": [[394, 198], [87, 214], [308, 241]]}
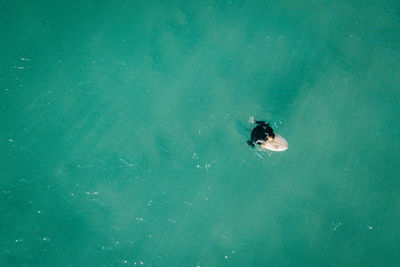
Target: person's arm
{"points": [[267, 128], [269, 131], [250, 143]]}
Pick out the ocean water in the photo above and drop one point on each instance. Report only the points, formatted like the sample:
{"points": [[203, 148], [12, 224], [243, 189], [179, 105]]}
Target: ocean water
{"points": [[123, 129]]}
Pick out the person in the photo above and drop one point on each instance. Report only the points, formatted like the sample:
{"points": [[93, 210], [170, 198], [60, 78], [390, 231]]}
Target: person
{"points": [[261, 133]]}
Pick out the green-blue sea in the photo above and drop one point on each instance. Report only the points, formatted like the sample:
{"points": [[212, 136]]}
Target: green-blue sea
{"points": [[123, 129]]}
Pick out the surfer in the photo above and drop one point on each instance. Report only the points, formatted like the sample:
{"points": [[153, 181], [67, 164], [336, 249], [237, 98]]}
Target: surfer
{"points": [[264, 136], [261, 133]]}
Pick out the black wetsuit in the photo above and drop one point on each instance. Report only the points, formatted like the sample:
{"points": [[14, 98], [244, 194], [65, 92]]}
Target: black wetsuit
{"points": [[261, 132]]}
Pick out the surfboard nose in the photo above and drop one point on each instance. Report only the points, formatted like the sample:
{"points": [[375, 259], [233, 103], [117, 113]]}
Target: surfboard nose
{"points": [[284, 144]]}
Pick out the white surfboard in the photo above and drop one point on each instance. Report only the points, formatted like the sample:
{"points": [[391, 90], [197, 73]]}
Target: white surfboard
{"points": [[278, 144]]}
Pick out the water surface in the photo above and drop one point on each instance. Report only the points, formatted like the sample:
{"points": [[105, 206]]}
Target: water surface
{"points": [[123, 130]]}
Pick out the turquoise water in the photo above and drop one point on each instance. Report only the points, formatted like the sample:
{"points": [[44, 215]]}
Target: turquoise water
{"points": [[123, 127]]}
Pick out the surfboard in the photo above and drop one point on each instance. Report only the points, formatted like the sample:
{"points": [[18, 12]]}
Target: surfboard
{"points": [[278, 144]]}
